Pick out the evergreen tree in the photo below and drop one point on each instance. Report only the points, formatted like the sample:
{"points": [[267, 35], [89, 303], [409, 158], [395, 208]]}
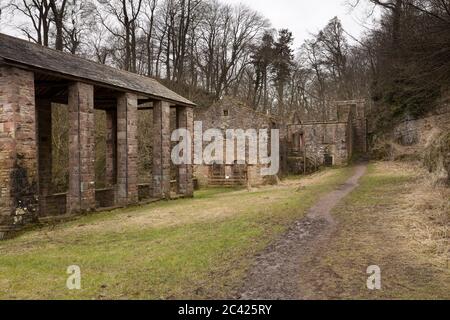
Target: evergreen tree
{"points": [[282, 64]]}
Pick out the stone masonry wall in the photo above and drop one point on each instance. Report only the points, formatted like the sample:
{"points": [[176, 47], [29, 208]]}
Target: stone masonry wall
{"points": [[18, 150], [161, 150], [428, 139], [325, 138], [356, 111], [231, 114], [413, 131], [81, 196], [342, 135], [127, 149]]}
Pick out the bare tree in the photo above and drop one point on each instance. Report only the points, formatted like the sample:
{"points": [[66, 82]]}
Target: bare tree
{"points": [[79, 22], [37, 14], [125, 13], [148, 29], [58, 18]]}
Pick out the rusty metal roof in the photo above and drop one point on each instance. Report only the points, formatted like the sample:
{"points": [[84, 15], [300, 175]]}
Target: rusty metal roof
{"points": [[19, 52]]}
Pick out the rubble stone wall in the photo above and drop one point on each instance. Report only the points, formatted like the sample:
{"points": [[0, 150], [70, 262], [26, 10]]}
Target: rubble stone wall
{"points": [[231, 114]]}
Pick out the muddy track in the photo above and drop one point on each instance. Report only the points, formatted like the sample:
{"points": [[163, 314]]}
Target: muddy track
{"points": [[277, 271]]}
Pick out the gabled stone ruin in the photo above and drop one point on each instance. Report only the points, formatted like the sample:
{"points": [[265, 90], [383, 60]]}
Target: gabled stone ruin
{"points": [[229, 113], [331, 142]]}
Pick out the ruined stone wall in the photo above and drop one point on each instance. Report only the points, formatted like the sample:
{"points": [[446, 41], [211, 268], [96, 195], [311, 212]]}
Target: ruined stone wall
{"points": [[416, 131], [342, 135], [239, 116], [255, 177], [18, 149], [55, 205], [201, 173], [105, 198], [326, 138], [231, 114], [355, 110], [427, 139]]}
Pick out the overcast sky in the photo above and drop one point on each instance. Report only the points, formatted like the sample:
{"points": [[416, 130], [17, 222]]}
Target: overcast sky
{"points": [[303, 17]]}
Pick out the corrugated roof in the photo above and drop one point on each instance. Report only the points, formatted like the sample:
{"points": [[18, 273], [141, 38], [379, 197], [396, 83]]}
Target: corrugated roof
{"points": [[18, 51]]}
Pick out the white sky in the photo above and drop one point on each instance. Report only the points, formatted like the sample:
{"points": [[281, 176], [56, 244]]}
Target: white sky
{"points": [[304, 17]]}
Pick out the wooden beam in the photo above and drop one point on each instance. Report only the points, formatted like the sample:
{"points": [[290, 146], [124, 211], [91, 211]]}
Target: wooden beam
{"points": [[144, 101], [55, 94], [42, 83], [91, 82]]}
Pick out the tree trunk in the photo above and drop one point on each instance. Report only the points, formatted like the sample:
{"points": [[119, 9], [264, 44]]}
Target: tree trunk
{"points": [[59, 43], [59, 23], [396, 23], [133, 48]]}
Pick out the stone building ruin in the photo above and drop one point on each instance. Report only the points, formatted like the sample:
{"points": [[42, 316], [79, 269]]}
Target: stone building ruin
{"points": [[331, 142], [32, 78], [229, 113]]}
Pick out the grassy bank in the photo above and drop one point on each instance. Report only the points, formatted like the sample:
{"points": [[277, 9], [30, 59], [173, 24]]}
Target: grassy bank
{"points": [[193, 248], [397, 221]]}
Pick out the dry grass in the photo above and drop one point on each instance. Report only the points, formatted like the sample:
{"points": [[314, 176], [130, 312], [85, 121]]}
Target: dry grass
{"points": [[430, 229], [397, 220], [186, 249], [213, 205]]}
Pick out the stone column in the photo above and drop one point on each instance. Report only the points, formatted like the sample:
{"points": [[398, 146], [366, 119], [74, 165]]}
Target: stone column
{"points": [[18, 150], [185, 119], [81, 196], [161, 150], [44, 115], [111, 147], [127, 148]]}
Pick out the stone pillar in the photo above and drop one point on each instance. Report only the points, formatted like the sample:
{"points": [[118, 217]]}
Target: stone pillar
{"points": [[185, 119], [18, 150], [127, 148], [161, 150], [81, 196], [111, 147], [44, 115]]}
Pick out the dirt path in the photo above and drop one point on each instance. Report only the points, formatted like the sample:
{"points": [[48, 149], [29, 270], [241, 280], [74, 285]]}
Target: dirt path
{"points": [[277, 272]]}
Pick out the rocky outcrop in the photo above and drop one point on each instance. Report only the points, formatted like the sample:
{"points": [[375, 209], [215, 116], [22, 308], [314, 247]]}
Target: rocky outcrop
{"points": [[425, 139]]}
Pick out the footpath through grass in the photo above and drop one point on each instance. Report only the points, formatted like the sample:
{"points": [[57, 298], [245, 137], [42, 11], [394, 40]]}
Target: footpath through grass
{"points": [[185, 249], [395, 220]]}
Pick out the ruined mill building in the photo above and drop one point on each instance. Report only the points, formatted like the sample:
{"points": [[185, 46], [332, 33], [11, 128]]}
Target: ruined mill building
{"points": [[230, 113], [333, 141], [32, 78]]}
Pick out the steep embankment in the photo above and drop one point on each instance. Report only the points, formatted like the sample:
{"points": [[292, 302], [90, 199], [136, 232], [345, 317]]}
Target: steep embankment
{"points": [[425, 139]]}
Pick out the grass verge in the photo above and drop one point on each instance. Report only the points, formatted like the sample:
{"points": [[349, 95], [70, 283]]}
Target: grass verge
{"points": [[186, 249], [397, 221]]}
